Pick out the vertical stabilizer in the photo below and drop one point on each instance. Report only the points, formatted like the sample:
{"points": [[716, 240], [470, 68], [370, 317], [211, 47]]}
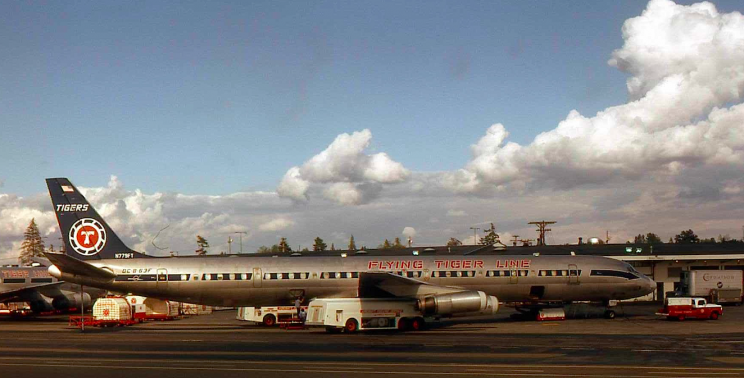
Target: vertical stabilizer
{"points": [[86, 235]]}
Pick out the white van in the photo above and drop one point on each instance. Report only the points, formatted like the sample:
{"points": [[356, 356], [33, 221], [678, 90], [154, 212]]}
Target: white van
{"points": [[360, 314]]}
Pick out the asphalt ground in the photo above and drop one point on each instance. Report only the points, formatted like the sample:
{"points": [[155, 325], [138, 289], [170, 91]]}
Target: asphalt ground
{"points": [[638, 344]]}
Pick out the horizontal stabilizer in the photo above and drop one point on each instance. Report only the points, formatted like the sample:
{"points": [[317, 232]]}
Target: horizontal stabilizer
{"points": [[71, 265]]}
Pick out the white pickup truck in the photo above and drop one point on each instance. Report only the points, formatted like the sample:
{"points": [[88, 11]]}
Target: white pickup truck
{"points": [[681, 308]]}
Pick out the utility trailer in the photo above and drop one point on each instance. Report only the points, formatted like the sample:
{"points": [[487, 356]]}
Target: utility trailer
{"points": [[363, 314], [717, 286]]}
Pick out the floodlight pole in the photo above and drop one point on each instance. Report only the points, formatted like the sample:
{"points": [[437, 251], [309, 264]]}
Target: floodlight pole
{"points": [[241, 233], [475, 234]]}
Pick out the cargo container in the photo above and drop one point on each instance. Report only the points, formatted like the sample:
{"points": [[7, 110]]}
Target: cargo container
{"points": [[156, 309], [112, 311], [161, 309], [717, 286], [195, 309]]}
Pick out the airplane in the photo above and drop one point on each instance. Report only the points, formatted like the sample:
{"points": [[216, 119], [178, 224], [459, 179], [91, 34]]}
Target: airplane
{"points": [[43, 293], [443, 285]]}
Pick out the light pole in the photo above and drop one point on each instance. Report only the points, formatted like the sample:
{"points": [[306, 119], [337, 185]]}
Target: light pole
{"points": [[241, 233], [475, 234]]}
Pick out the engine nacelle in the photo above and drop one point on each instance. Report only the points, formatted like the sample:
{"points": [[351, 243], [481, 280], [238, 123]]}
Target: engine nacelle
{"points": [[467, 301], [40, 305], [68, 301]]}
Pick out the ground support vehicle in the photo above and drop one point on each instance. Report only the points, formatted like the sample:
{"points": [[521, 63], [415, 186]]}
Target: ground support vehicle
{"points": [[717, 286], [361, 314], [269, 315], [682, 308]]}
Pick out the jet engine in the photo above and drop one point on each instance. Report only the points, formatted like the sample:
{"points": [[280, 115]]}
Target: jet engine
{"points": [[40, 305], [67, 301], [458, 303]]}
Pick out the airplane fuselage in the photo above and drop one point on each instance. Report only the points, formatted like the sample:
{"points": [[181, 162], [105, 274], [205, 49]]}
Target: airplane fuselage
{"points": [[255, 281]]}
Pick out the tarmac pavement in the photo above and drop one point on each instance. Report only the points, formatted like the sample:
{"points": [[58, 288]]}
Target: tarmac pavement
{"points": [[217, 345]]}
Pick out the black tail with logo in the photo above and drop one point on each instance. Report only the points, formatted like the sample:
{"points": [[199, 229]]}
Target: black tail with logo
{"points": [[86, 235]]}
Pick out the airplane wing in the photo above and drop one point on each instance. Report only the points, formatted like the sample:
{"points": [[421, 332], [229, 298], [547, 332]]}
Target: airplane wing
{"points": [[71, 265], [19, 294], [371, 282]]}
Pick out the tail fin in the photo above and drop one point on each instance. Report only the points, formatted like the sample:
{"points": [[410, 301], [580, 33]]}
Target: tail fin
{"points": [[86, 235]]}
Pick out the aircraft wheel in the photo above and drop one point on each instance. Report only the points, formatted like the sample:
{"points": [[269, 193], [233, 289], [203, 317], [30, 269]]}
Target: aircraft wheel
{"points": [[713, 316], [269, 320], [417, 324], [610, 314], [351, 326]]}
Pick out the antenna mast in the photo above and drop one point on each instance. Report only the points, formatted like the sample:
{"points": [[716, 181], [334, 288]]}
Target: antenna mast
{"points": [[542, 230]]}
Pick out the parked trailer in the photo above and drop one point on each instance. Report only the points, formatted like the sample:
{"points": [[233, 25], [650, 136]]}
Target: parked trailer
{"points": [[719, 286], [361, 314], [268, 315], [682, 308]]}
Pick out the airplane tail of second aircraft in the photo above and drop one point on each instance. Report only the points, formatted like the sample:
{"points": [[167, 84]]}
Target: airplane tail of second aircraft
{"points": [[86, 235]]}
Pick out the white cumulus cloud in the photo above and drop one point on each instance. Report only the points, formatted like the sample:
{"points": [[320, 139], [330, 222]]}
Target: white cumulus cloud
{"points": [[276, 224], [686, 84], [344, 172]]}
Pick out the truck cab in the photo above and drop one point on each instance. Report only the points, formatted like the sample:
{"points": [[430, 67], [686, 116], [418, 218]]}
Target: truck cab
{"points": [[681, 308]]}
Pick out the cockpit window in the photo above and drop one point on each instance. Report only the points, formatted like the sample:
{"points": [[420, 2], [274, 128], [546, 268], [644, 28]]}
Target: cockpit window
{"points": [[632, 269]]}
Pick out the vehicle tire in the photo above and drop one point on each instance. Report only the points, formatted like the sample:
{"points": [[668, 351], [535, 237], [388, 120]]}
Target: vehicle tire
{"points": [[418, 324], [610, 314], [714, 316], [403, 324], [269, 320], [351, 326]]}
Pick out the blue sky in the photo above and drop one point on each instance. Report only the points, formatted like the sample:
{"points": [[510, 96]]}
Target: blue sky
{"points": [[378, 119], [214, 97]]}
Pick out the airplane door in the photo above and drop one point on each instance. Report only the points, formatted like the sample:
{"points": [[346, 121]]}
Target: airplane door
{"points": [[162, 275], [513, 276], [573, 274], [257, 277]]}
